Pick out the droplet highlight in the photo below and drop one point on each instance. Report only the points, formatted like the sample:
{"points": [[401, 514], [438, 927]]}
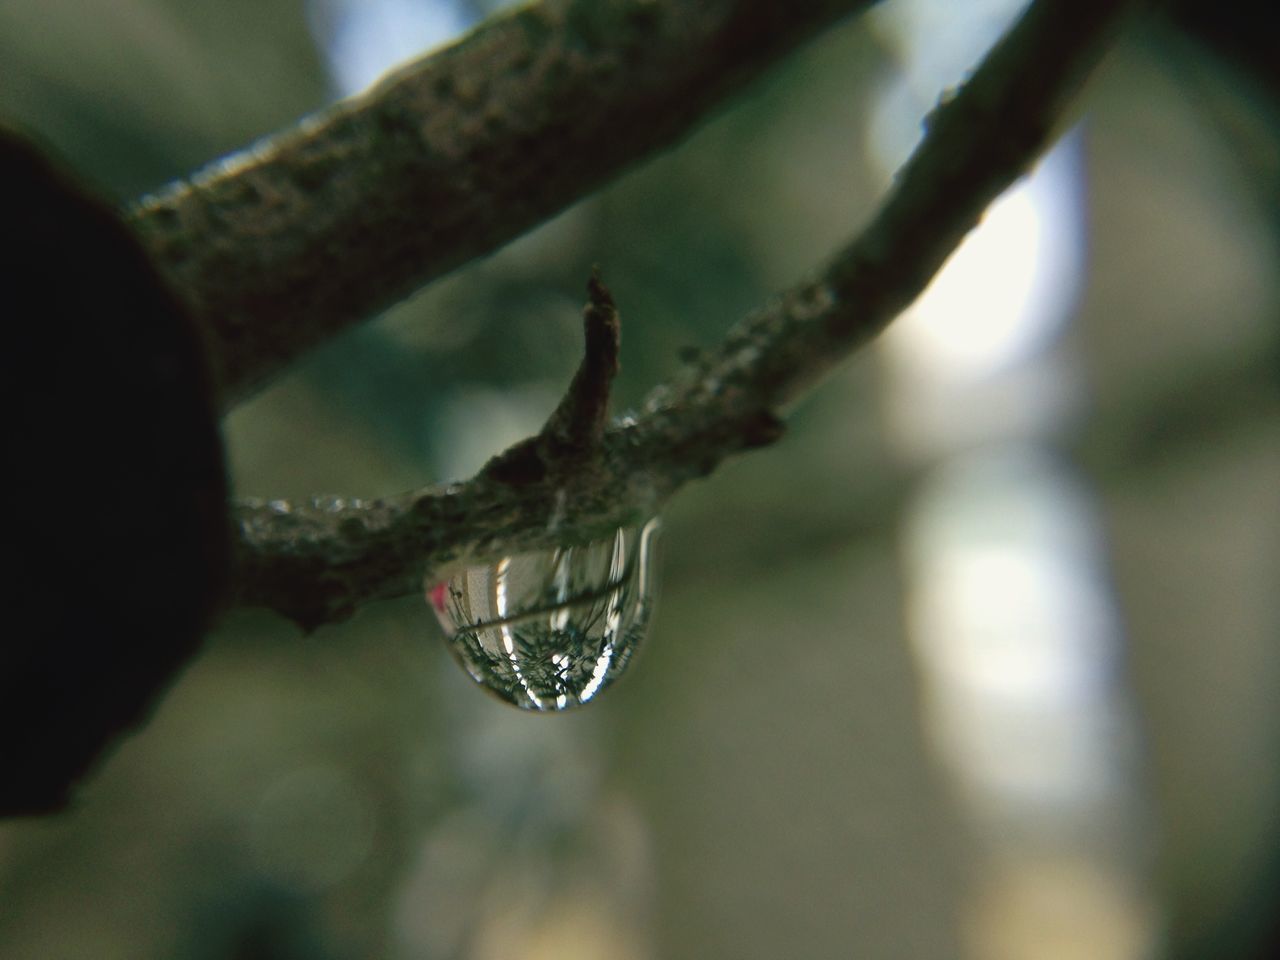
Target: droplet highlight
{"points": [[550, 630]]}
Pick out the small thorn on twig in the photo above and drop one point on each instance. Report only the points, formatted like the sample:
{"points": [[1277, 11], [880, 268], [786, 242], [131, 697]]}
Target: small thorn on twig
{"points": [[597, 291], [576, 426], [602, 330], [578, 423]]}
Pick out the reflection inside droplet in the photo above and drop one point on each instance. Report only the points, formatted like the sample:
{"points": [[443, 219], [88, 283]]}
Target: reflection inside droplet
{"points": [[550, 630]]}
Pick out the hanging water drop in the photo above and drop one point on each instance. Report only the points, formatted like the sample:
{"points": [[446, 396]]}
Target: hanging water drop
{"points": [[550, 630]]}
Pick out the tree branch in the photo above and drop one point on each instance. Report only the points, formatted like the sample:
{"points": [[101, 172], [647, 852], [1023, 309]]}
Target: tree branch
{"points": [[277, 248], [317, 562]]}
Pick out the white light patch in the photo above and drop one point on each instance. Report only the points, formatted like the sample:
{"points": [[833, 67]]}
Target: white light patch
{"points": [[1015, 631], [362, 39], [1012, 284], [1008, 290]]}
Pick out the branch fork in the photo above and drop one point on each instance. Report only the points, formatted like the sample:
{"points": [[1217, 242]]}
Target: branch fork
{"points": [[581, 477]]}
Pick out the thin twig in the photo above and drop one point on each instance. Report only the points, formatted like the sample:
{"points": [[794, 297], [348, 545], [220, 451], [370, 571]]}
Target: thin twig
{"points": [[578, 423], [572, 434], [317, 563], [277, 248]]}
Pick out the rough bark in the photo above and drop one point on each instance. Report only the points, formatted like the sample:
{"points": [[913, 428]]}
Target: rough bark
{"points": [[277, 248]]}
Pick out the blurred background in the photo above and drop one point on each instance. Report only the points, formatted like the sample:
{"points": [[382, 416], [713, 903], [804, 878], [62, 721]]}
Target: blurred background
{"points": [[981, 661]]}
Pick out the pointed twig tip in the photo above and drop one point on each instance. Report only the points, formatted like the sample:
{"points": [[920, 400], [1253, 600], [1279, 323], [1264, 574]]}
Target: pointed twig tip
{"points": [[597, 292]]}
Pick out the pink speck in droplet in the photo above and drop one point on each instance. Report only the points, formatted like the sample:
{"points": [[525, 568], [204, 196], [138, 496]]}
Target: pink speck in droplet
{"points": [[438, 594]]}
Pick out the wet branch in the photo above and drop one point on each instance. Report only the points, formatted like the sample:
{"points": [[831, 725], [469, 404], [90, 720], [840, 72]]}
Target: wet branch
{"points": [[277, 248], [317, 562]]}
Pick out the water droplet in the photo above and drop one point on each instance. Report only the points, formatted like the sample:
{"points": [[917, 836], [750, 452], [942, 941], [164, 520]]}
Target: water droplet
{"points": [[550, 630]]}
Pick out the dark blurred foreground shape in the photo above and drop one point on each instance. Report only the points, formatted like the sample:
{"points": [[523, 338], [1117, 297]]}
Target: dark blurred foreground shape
{"points": [[117, 539]]}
